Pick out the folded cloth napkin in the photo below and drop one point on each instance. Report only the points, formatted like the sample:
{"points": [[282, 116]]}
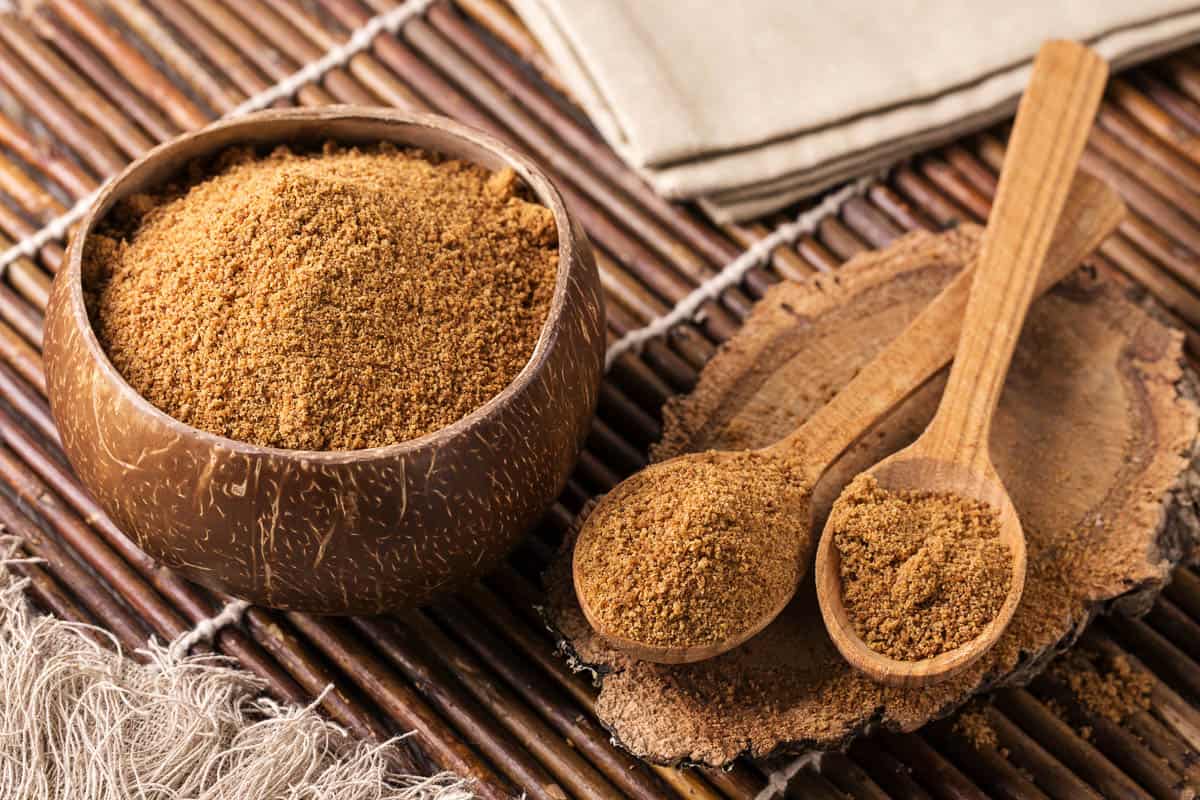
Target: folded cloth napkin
{"points": [[751, 105]]}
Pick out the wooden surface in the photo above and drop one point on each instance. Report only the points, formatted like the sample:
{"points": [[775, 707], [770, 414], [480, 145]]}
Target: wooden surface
{"points": [[476, 676], [951, 456], [1100, 484]]}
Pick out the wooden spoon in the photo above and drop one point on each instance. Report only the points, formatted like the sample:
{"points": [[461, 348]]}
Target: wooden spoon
{"points": [[1092, 212], [952, 455]]}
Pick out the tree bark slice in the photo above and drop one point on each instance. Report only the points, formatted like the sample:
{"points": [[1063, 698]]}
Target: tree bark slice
{"points": [[1095, 438]]}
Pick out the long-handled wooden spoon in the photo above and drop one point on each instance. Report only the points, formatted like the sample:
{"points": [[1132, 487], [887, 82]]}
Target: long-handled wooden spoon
{"points": [[1093, 211], [952, 456]]}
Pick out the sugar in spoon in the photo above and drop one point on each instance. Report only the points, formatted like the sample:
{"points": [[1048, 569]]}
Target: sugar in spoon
{"points": [[1092, 212], [951, 457]]}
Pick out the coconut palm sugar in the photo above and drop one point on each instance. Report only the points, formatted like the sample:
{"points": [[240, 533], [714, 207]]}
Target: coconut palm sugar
{"points": [[323, 300], [1109, 687], [690, 552], [972, 724], [922, 572]]}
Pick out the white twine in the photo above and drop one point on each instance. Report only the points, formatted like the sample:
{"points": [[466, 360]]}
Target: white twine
{"points": [[206, 629], [778, 780], [360, 40], [733, 272]]}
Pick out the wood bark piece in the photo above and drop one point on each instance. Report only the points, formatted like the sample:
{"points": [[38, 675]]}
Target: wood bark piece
{"points": [[1095, 438]]}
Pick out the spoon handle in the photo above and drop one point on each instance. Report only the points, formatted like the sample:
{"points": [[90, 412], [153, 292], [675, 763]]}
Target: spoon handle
{"points": [[1051, 128], [1093, 211]]}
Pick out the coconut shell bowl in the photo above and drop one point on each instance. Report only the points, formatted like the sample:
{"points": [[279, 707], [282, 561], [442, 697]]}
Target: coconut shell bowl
{"points": [[342, 532]]}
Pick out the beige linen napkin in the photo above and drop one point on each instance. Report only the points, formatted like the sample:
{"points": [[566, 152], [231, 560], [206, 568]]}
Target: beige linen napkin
{"points": [[751, 105]]}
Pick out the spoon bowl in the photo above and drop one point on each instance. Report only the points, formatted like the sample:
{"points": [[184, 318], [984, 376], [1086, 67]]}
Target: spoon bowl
{"points": [[907, 471], [777, 500]]}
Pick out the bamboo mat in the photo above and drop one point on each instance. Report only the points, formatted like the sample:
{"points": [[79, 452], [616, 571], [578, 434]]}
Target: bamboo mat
{"points": [[88, 86]]}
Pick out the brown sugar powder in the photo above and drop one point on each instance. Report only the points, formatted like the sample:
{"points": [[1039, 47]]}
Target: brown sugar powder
{"points": [[1110, 687], [922, 573], [692, 552], [331, 300], [973, 724]]}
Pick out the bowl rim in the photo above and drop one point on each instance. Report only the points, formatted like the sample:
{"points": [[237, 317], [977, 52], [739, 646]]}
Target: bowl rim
{"points": [[544, 190]]}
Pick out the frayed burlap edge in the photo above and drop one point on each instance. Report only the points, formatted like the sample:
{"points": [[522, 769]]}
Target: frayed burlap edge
{"points": [[81, 721]]}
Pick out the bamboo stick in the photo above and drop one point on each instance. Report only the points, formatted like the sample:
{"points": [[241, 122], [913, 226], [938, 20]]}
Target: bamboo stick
{"points": [[990, 768], [500, 21], [124, 57], [258, 50], [74, 179], [849, 778], [311, 674], [1166, 744], [1170, 620], [1184, 73], [220, 96], [396, 699], [930, 767], [1178, 714], [41, 101], [629, 775], [614, 449], [576, 774], [1181, 107], [1145, 171], [1118, 745], [619, 410], [129, 630], [1050, 773], [1184, 590], [70, 85], [21, 315], [786, 262], [1136, 104], [283, 34], [51, 598], [816, 254], [944, 177], [869, 222], [895, 778], [1165, 658], [806, 783], [978, 174], [1129, 130], [85, 61], [840, 240], [209, 43], [23, 359], [918, 191], [899, 210], [443, 691], [1057, 737], [527, 634], [28, 193]]}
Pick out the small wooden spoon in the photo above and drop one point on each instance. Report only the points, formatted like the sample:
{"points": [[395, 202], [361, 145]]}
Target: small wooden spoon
{"points": [[952, 456], [1093, 211]]}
